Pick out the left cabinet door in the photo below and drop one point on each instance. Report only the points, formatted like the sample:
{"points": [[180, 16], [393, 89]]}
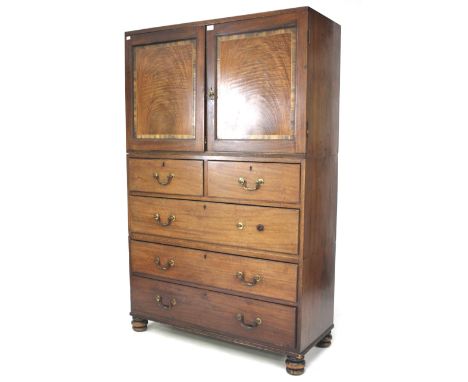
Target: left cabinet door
{"points": [[165, 89]]}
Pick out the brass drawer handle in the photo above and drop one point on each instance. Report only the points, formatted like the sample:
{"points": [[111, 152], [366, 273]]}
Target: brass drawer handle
{"points": [[171, 304], [170, 263], [170, 219], [257, 322], [164, 183], [240, 225], [243, 183], [256, 279]]}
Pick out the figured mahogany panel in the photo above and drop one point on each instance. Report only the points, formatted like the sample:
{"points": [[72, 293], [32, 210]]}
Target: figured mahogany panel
{"points": [[266, 228], [275, 279], [164, 90], [256, 85], [215, 311]]}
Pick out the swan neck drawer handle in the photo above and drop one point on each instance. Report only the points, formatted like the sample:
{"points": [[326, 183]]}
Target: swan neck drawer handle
{"points": [[255, 280], [171, 304], [164, 182], [170, 263], [257, 322], [243, 183], [170, 219]]}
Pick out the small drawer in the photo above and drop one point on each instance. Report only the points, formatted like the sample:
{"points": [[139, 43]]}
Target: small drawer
{"points": [[271, 182], [233, 316], [239, 274], [162, 176], [238, 226]]}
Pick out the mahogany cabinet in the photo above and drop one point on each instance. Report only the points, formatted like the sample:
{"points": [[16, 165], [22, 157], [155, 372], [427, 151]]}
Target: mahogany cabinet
{"points": [[232, 143]]}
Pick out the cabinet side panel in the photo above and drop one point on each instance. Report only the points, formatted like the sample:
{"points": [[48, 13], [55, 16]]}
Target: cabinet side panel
{"points": [[323, 85], [318, 268], [318, 271]]}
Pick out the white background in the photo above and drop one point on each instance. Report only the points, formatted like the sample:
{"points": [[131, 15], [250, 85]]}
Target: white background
{"points": [[401, 275]]}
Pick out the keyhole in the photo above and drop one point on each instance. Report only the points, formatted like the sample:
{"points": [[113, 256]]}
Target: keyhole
{"points": [[204, 256], [163, 164], [250, 168], [204, 206]]}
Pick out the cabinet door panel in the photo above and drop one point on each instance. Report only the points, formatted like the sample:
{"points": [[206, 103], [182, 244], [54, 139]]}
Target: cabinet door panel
{"points": [[256, 85], [165, 79], [256, 69]]}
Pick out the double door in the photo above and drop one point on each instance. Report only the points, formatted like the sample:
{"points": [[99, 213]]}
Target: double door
{"points": [[232, 86]]}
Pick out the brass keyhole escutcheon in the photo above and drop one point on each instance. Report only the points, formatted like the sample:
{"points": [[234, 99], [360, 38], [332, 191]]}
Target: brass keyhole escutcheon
{"points": [[240, 225]]}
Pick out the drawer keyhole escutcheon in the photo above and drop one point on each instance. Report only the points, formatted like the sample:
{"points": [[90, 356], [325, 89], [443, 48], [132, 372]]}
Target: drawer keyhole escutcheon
{"points": [[170, 263], [255, 280], [170, 219], [171, 304], [164, 182], [257, 322], [243, 183]]}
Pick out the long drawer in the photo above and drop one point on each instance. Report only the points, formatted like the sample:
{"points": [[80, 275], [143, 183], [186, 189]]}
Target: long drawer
{"points": [[230, 315], [165, 176], [264, 228], [240, 274], [275, 182]]}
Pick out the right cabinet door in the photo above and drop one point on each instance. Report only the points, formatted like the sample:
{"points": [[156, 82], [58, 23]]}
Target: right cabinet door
{"points": [[256, 85]]}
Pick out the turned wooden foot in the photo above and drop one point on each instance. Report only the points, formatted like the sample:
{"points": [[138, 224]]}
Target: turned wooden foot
{"points": [[139, 324], [325, 342], [295, 364]]}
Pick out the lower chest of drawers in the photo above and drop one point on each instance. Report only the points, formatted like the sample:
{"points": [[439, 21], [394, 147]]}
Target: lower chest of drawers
{"points": [[214, 247]]}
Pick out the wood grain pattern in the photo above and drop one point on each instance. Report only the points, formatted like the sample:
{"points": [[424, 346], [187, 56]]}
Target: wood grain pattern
{"points": [[217, 223], [215, 311], [256, 80], [165, 90], [278, 280], [281, 181], [257, 73], [187, 176]]}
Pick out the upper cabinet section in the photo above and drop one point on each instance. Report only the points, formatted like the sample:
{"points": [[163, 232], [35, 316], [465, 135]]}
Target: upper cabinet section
{"points": [[165, 90], [238, 84], [256, 81]]}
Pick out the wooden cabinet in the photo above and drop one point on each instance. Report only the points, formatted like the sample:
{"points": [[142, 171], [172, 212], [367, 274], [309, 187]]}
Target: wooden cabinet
{"points": [[232, 143]]}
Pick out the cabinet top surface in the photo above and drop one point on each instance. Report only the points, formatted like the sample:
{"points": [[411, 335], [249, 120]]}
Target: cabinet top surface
{"points": [[222, 20]]}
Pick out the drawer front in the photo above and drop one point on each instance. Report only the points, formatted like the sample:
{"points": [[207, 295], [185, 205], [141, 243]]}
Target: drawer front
{"points": [[179, 177], [264, 228], [272, 182], [240, 274], [231, 315]]}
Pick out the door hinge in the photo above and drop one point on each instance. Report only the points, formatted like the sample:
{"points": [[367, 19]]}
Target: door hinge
{"points": [[308, 36]]}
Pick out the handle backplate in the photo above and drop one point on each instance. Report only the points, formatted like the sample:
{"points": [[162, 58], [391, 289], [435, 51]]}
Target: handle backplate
{"points": [[170, 219], [170, 263], [164, 182], [255, 280], [256, 323], [243, 183], [171, 304]]}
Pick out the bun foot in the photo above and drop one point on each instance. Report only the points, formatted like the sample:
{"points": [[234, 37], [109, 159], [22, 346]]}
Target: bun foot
{"points": [[325, 342], [139, 324], [295, 365]]}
